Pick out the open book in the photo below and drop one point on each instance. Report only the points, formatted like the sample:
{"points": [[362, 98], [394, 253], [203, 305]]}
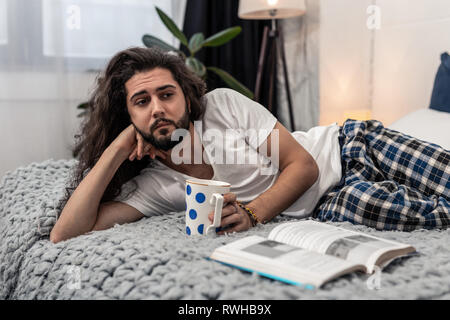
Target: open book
{"points": [[310, 253]]}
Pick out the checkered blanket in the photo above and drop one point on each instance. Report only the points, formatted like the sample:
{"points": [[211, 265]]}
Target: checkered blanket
{"points": [[391, 181]]}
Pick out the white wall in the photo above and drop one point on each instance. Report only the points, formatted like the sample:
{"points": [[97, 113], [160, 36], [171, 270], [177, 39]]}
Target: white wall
{"points": [[344, 58], [38, 116], [407, 54], [407, 47]]}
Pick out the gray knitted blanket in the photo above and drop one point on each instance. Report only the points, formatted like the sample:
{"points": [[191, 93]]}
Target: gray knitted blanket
{"points": [[154, 259]]}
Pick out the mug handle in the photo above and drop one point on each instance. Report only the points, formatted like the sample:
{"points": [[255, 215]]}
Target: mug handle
{"points": [[218, 199]]}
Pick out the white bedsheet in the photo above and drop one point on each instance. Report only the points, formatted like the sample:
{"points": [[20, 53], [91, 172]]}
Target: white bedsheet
{"points": [[426, 124]]}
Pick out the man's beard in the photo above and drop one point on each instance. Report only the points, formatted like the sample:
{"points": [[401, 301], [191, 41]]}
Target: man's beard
{"points": [[165, 141]]}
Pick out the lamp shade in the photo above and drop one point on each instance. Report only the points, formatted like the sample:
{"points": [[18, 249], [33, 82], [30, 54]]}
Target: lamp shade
{"points": [[270, 9]]}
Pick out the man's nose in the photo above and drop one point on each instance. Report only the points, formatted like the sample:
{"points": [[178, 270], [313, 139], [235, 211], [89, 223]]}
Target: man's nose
{"points": [[157, 109]]}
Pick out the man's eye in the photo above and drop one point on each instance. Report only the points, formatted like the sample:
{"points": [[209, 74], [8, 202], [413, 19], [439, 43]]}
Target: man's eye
{"points": [[167, 95], [141, 101]]}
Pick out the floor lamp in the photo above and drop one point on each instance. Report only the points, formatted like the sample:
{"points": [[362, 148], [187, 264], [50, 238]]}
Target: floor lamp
{"points": [[272, 42]]}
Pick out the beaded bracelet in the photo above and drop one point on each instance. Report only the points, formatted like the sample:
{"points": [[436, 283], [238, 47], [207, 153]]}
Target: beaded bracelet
{"points": [[250, 213]]}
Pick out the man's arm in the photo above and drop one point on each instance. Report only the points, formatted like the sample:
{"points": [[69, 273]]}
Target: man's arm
{"points": [[80, 212], [83, 211], [113, 212], [299, 172]]}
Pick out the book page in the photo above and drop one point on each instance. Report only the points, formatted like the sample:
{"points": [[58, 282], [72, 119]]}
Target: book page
{"points": [[338, 242], [276, 258]]}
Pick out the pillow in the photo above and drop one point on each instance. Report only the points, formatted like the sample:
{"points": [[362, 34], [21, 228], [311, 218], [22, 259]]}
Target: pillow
{"points": [[440, 98], [425, 124]]}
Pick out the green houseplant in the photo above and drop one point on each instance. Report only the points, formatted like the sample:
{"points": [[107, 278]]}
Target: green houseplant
{"points": [[194, 45]]}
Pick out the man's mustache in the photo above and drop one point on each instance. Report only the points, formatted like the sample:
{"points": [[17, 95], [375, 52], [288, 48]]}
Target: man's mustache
{"points": [[158, 122]]}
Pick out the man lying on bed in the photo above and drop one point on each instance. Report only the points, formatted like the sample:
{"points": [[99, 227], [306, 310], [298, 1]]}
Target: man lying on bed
{"points": [[129, 164]]}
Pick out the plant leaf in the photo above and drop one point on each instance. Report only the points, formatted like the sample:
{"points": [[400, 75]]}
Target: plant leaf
{"points": [[82, 114], [232, 82], [197, 66], [151, 41], [172, 26], [222, 37], [196, 42], [83, 105]]}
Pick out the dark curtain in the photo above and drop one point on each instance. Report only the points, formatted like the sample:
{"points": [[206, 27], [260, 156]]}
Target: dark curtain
{"points": [[240, 56]]}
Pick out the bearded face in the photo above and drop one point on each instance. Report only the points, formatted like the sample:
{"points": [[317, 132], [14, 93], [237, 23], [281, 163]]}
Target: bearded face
{"points": [[161, 130], [157, 107]]}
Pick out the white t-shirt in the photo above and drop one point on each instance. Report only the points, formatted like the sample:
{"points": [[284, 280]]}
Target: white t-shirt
{"points": [[234, 159]]}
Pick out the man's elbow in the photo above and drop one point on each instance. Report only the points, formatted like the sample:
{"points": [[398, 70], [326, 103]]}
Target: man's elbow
{"points": [[55, 238], [99, 227], [313, 171]]}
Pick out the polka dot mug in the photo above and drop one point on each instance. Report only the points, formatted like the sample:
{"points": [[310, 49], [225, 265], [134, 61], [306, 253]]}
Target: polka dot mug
{"points": [[202, 197]]}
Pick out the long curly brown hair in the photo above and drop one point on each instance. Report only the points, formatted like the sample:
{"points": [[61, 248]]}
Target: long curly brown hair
{"points": [[108, 115]]}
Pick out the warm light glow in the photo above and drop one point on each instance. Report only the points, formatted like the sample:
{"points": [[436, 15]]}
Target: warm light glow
{"points": [[361, 114], [268, 9]]}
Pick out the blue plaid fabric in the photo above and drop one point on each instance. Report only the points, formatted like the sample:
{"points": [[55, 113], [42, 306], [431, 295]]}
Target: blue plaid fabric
{"points": [[391, 181]]}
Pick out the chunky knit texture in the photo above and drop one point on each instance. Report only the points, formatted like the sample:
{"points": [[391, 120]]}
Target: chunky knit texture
{"points": [[154, 259]]}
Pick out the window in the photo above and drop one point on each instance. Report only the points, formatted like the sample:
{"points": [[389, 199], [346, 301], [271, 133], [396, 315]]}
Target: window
{"points": [[80, 34], [3, 22]]}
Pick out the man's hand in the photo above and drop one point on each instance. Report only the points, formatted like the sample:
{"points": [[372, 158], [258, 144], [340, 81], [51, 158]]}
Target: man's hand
{"points": [[234, 218], [132, 144]]}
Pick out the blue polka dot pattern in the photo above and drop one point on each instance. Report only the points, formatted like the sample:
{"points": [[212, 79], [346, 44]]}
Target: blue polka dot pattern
{"points": [[200, 197], [193, 214], [188, 231], [188, 190], [200, 228]]}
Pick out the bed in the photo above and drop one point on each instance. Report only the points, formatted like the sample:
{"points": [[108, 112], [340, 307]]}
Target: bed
{"points": [[154, 259]]}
